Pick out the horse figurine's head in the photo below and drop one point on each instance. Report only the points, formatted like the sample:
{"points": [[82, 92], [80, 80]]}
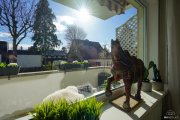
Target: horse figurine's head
{"points": [[115, 43], [115, 47]]}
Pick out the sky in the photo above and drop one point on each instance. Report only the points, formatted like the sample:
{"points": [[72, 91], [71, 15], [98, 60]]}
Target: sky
{"points": [[98, 30]]}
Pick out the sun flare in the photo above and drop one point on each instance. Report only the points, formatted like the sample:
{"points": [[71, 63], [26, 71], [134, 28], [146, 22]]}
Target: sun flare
{"points": [[84, 14]]}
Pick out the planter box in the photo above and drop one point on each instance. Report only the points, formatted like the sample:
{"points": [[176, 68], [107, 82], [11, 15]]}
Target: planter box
{"points": [[73, 66], [85, 66], [9, 71]]}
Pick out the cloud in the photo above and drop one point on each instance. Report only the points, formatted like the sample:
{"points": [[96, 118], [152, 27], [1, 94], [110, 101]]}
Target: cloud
{"points": [[5, 34], [60, 28], [62, 21]]}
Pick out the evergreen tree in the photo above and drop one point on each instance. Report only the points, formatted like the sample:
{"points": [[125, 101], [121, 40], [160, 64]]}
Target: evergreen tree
{"points": [[44, 30]]}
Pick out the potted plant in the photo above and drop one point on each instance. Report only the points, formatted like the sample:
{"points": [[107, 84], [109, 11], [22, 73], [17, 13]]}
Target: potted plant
{"points": [[157, 82], [146, 84]]}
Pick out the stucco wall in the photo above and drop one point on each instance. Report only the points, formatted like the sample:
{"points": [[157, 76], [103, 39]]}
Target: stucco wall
{"points": [[26, 61]]}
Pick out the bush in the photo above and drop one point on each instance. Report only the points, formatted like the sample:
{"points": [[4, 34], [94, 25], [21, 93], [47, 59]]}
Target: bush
{"points": [[2, 65], [88, 109], [74, 64], [12, 65], [46, 67]]}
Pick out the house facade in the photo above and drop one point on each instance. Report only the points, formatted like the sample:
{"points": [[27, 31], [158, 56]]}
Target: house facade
{"points": [[84, 50]]}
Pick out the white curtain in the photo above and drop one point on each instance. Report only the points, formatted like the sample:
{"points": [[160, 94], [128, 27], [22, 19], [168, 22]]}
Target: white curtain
{"points": [[173, 40]]}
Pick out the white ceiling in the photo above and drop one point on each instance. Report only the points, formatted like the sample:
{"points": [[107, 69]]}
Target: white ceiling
{"points": [[93, 5]]}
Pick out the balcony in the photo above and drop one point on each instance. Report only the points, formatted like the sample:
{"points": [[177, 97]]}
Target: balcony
{"points": [[22, 92]]}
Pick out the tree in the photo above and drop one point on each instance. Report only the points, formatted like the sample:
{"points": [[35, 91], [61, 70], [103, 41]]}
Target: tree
{"points": [[74, 32], [17, 18], [44, 30], [104, 53], [64, 49], [0, 11]]}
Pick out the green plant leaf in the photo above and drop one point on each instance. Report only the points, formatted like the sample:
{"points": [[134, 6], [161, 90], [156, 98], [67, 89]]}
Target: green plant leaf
{"points": [[151, 64]]}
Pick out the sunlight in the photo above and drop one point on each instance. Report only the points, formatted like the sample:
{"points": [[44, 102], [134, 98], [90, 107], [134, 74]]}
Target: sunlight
{"points": [[84, 14]]}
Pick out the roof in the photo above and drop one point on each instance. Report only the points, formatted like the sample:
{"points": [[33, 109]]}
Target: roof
{"points": [[86, 49], [87, 43], [49, 53], [55, 53], [25, 52]]}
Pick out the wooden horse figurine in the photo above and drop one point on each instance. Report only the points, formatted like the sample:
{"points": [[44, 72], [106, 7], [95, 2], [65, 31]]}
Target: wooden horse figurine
{"points": [[126, 67]]}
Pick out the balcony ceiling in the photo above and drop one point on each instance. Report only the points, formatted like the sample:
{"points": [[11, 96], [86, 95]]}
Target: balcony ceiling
{"points": [[93, 6]]}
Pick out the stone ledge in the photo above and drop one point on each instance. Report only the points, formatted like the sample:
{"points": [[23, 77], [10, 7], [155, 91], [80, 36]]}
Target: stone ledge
{"points": [[150, 107]]}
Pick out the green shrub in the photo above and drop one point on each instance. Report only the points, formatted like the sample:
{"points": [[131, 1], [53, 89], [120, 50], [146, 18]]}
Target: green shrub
{"points": [[47, 67], [12, 65], [89, 109], [2, 65], [66, 65]]}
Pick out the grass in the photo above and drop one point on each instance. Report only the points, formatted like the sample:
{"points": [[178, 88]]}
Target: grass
{"points": [[89, 109]]}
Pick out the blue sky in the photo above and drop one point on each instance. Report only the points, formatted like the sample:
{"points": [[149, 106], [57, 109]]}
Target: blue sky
{"points": [[97, 29]]}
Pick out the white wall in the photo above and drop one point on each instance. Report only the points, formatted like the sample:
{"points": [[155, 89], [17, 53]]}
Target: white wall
{"points": [[152, 30], [26, 61], [173, 39], [25, 91]]}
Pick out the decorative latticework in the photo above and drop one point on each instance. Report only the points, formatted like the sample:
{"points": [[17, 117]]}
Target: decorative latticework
{"points": [[127, 35]]}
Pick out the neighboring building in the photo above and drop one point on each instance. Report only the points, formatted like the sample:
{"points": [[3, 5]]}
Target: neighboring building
{"points": [[27, 59], [3, 51], [53, 55], [84, 50], [127, 35]]}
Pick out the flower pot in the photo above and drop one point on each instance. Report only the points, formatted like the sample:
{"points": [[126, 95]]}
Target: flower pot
{"points": [[159, 86], [146, 86]]}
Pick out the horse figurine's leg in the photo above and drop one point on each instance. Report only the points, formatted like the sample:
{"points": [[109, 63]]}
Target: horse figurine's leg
{"points": [[108, 87], [138, 94], [140, 78], [128, 82]]}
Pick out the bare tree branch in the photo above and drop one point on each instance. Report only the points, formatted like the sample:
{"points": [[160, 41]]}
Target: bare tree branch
{"points": [[74, 32], [17, 17]]}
